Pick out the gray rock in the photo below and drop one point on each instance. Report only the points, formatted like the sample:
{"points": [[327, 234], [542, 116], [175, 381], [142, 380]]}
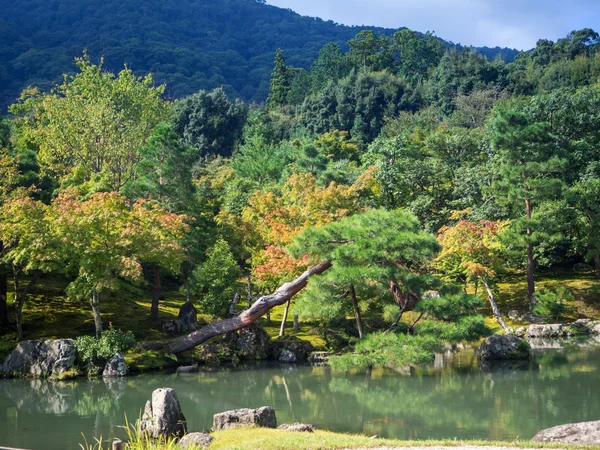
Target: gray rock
{"points": [[499, 347], [545, 331], [297, 427], [171, 327], [521, 332], [116, 367], [251, 343], [584, 433], [185, 370], [262, 417], [287, 356], [40, 359], [318, 357], [514, 315], [162, 416], [196, 440], [188, 317]]}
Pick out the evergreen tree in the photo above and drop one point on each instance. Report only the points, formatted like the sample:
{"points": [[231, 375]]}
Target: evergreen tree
{"points": [[281, 80]]}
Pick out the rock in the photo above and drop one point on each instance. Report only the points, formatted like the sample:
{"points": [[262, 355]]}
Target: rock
{"points": [[499, 347], [116, 367], [584, 433], [40, 359], [531, 318], [252, 342], [262, 417], [214, 354], [582, 268], [195, 441], [184, 370], [318, 357], [297, 427], [521, 332], [545, 331], [188, 317], [514, 315], [290, 349], [287, 356], [162, 416], [171, 327]]}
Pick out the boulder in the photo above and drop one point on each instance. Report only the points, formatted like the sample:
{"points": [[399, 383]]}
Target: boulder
{"points": [[531, 318], [584, 433], [291, 349], [162, 416], [514, 315], [499, 347], [297, 427], [251, 343], [214, 354], [262, 417], [40, 359], [318, 357], [171, 327], [195, 441], [116, 367], [545, 331], [188, 317], [185, 370], [287, 356]]}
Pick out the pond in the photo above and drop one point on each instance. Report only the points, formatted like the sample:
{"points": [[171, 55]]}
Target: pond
{"points": [[452, 399]]}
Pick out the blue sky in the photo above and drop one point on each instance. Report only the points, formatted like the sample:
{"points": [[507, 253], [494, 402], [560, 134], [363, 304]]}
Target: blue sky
{"points": [[506, 23]]}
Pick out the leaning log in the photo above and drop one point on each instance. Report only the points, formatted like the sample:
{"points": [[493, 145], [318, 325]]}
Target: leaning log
{"points": [[250, 315]]}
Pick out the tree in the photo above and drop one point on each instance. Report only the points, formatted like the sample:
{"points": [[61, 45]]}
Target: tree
{"points": [[416, 54], [209, 122], [216, 279], [374, 255], [529, 164], [90, 128], [8, 181], [472, 251], [29, 246], [104, 241], [281, 81]]}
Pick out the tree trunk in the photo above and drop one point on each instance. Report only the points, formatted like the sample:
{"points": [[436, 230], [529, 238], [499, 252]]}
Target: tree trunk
{"points": [[296, 322], [597, 264], [95, 304], [251, 315], [21, 297], [492, 300], [530, 260], [285, 316], [155, 293], [359, 323]]}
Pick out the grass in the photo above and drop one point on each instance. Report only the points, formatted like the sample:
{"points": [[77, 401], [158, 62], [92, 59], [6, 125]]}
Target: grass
{"points": [[248, 438]]}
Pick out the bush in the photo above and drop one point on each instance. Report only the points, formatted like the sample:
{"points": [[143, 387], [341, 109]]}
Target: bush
{"points": [[554, 305], [100, 351]]}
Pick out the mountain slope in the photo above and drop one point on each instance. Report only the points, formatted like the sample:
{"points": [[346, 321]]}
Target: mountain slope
{"points": [[190, 45]]}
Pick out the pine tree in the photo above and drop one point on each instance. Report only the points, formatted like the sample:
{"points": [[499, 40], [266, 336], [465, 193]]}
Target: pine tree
{"points": [[280, 81]]}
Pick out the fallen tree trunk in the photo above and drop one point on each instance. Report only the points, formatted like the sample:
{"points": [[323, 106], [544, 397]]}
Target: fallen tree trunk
{"points": [[252, 314]]}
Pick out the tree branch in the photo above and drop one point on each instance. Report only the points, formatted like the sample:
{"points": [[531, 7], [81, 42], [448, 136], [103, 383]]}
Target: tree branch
{"points": [[252, 314]]}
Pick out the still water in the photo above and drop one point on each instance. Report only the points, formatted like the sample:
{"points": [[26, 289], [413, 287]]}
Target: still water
{"points": [[452, 399]]}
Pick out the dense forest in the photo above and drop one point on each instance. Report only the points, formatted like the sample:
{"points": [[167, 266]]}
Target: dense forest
{"points": [[409, 176], [191, 45]]}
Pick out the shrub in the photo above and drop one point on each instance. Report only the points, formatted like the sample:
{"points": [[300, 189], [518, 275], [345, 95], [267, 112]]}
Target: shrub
{"points": [[554, 305], [100, 351]]}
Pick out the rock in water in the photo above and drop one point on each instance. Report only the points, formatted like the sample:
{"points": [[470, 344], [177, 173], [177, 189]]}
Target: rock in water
{"points": [[545, 331], [262, 417], [162, 416], [584, 433], [196, 441], [188, 317], [40, 359], [287, 356], [499, 347], [116, 367], [252, 342]]}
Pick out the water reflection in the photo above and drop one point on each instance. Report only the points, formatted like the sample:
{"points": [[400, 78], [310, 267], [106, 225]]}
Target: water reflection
{"points": [[454, 398]]}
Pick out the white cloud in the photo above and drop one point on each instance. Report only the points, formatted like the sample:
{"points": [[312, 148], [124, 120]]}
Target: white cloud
{"points": [[504, 23]]}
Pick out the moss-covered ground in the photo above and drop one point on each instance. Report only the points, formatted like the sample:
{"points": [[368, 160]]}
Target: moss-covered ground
{"points": [[50, 313]]}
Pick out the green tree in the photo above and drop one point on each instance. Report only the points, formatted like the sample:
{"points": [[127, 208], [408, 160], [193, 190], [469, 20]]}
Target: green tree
{"points": [[376, 256], [281, 81], [90, 128], [530, 165], [215, 282], [209, 122]]}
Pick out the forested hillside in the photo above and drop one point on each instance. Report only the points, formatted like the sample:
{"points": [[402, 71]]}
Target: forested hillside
{"points": [[190, 45]]}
